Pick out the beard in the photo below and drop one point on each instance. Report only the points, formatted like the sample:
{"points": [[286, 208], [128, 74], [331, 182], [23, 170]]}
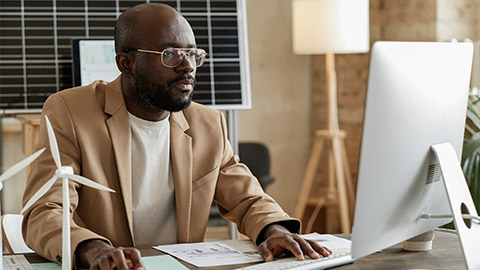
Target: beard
{"points": [[157, 96]]}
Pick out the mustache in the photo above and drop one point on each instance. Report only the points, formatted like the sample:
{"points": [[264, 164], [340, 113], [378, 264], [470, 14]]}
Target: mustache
{"points": [[181, 78]]}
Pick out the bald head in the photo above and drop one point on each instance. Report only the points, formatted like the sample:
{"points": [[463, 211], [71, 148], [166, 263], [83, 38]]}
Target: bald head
{"points": [[139, 25]]}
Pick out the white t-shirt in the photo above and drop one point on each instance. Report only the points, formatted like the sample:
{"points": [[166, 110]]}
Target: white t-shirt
{"points": [[154, 213]]}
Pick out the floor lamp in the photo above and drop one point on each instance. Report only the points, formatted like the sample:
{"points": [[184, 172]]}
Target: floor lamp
{"points": [[330, 27]]}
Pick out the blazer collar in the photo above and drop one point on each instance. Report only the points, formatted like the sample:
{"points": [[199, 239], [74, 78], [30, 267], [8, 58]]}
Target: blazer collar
{"points": [[114, 100], [182, 164], [119, 127]]}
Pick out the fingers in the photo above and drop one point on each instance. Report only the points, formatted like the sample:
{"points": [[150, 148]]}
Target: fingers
{"points": [[310, 248], [294, 243], [276, 246], [324, 251], [265, 252], [120, 259], [105, 263], [295, 246], [307, 248], [135, 259]]}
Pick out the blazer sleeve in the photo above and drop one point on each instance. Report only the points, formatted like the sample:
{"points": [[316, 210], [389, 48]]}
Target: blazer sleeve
{"points": [[42, 225], [241, 199]]}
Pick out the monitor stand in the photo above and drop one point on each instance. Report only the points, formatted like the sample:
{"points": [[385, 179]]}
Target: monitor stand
{"points": [[464, 212]]}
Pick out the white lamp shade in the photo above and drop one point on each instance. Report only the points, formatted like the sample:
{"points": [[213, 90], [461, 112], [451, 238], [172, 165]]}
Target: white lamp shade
{"points": [[330, 26]]}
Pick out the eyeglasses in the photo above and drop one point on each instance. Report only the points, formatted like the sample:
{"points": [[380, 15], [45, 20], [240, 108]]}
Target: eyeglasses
{"points": [[172, 57]]}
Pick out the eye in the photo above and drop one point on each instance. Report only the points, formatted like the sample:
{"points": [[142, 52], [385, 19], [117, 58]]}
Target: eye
{"points": [[199, 52], [169, 53]]}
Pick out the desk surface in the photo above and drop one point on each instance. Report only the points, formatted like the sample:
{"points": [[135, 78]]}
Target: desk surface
{"points": [[446, 254]]}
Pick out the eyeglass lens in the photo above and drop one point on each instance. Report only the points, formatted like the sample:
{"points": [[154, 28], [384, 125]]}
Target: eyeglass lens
{"points": [[172, 57]]}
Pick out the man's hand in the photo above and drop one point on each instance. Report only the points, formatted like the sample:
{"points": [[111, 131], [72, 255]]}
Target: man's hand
{"points": [[98, 255], [279, 240]]}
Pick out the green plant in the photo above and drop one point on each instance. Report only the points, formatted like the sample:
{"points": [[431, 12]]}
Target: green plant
{"points": [[471, 150]]}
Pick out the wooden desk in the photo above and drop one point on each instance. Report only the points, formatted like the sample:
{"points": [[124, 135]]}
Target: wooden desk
{"points": [[446, 254]]}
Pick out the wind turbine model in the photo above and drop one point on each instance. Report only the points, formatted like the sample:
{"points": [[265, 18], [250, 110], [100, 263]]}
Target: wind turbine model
{"points": [[64, 172], [9, 173]]}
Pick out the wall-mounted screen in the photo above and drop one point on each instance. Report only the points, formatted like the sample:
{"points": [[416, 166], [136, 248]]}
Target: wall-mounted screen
{"points": [[93, 60]]}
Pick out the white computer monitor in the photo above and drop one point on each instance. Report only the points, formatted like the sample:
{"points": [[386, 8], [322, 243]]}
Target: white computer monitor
{"points": [[416, 97], [93, 59]]}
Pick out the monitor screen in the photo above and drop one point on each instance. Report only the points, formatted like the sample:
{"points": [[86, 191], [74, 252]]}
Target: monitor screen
{"points": [[416, 97], [93, 59]]}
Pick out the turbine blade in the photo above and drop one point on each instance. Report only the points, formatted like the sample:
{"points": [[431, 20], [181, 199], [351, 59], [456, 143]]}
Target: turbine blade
{"points": [[87, 182], [53, 144], [39, 193], [20, 165]]}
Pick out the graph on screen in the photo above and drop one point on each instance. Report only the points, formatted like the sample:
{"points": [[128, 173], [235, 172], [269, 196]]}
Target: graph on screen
{"points": [[97, 61]]}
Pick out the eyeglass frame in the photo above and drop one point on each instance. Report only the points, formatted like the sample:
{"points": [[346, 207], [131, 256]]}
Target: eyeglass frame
{"points": [[163, 51]]}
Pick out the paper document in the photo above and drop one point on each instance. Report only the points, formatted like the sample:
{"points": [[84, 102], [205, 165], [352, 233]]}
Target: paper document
{"points": [[208, 254], [15, 262], [214, 253]]}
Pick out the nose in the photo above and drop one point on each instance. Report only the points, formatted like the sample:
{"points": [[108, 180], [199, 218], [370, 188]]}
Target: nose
{"points": [[187, 65]]}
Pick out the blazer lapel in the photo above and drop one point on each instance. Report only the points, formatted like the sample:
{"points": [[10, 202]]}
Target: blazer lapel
{"points": [[119, 127], [181, 154]]}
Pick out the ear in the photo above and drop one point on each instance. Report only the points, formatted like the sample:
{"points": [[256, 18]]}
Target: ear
{"points": [[125, 63]]}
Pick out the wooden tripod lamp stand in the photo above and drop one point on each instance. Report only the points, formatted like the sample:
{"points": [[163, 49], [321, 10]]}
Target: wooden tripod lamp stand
{"points": [[329, 27]]}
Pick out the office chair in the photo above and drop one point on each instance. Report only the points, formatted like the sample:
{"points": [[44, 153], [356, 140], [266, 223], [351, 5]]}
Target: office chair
{"points": [[12, 234], [257, 158]]}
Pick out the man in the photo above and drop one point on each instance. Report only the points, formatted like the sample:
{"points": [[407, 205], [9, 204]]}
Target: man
{"points": [[167, 158]]}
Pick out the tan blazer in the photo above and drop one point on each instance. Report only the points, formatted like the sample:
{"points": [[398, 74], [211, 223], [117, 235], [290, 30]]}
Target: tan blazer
{"points": [[93, 132]]}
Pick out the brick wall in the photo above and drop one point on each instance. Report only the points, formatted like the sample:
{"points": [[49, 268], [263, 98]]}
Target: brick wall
{"points": [[458, 19]]}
